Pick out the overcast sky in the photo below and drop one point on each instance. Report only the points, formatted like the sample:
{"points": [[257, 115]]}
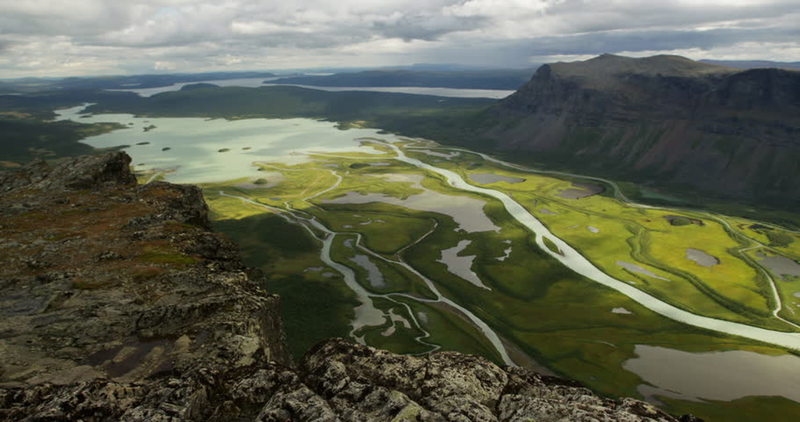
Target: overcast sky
{"points": [[83, 37]]}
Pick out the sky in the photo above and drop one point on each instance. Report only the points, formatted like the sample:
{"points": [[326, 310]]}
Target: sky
{"points": [[104, 37]]}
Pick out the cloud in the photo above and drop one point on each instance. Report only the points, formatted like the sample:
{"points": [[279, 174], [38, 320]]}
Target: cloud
{"points": [[60, 37], [659, 40]]}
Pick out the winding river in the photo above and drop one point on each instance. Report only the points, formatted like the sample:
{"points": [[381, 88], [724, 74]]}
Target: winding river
{"points": [[578, 263], [366, 313]]}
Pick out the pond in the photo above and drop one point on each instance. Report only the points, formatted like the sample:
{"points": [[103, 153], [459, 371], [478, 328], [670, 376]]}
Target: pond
{"points": [[581, 190], [486, 178], [374, 274], [640, 270], [701, 257], [466, 211], [461, 265], [780, 265]]}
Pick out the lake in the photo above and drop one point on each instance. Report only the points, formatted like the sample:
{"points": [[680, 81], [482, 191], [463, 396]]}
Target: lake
{"points": [[194, 143], [257, 82]]}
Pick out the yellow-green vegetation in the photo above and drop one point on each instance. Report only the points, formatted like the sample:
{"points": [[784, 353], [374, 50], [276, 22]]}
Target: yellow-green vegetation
{"points": [[574, 326], [268, 242], [612, 234]]}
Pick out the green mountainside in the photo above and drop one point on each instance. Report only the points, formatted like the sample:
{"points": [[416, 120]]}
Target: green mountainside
{"points": [[662, 119]]}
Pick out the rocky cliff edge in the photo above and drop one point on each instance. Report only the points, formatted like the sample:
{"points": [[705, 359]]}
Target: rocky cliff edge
{"points": [[118, 303]]}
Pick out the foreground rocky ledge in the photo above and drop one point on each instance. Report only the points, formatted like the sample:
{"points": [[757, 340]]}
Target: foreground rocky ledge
{"points": [[118, 303]]}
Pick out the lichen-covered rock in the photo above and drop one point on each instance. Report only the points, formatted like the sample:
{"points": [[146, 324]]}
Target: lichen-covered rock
{"points": [[118, 303], [84, 172], [110, 293], [362, 383]]}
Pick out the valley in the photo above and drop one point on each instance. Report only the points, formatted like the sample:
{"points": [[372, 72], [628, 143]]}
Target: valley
{"points": [[414, 247], [405, 211]]}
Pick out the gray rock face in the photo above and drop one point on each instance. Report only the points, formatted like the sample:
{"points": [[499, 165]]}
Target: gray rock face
{"points": [[117, 303], [113, 294], [361, 383]]}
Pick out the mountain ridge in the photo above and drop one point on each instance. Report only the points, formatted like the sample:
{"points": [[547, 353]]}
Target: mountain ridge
{"points": [[728, 132]]}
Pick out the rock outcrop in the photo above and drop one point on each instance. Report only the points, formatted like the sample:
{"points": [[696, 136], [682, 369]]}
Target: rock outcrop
{"points": [[665, 119], [118, 303]]}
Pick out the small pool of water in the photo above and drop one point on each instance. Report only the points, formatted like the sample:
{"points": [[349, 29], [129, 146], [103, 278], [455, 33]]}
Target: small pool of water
{"points": [[581, 190], [461, 265], [486, 178], [701, 257], [374, 274], [780, 265], [466, 211], [640, 270]]}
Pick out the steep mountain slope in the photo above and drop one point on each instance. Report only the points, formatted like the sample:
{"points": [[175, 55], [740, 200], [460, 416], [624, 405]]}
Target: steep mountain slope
{"points": [[118, 303], [723, 131]]}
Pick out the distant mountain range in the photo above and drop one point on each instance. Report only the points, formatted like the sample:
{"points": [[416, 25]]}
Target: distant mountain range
{"points": [[472, 79], [28, 85], [694, 127], [665, 119]]}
